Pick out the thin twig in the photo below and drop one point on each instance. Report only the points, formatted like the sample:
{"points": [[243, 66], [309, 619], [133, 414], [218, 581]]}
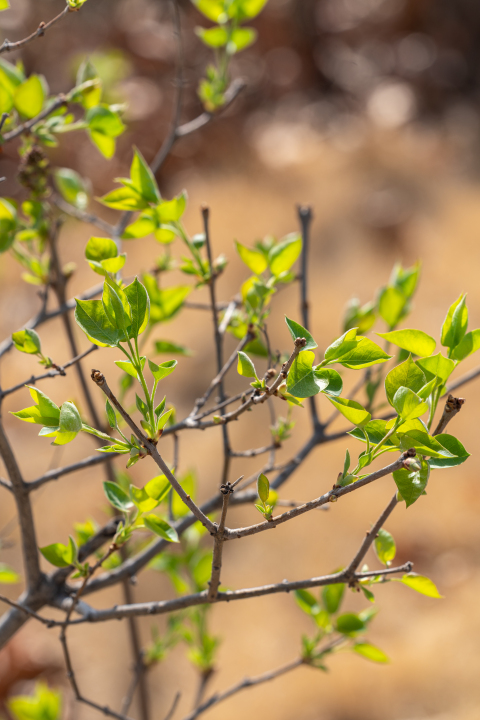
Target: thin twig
{"points": [[59, 370], [90, 461], [305, 217], [8, 46], [167, 606], [246, 683], [214, 583], [81, 215], [99, 379], [59, 102], [452, 408]]}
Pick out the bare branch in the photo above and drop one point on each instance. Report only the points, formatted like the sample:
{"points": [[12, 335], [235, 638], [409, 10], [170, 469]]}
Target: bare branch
{"points": [[58, 370], [452, 408], [246, 683], [24, 510], [80, 465], [8, 46], [85, 217], [331, 496], [166, 606], [371, 535], [59, 102], [226, 491]]}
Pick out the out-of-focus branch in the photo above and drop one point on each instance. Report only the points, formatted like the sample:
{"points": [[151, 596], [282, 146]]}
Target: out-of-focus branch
{"points": [[58, 370], [8, 46], [80, 465]]}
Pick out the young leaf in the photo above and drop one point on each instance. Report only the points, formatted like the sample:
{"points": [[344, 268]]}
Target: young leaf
{"points": [[385, 547], [455, 324], [469, 345], [414, 341], [282, 256], [71, 187], [93, 320], [245, 366], [163, 370], [27, 341], [352, 410], [297, 331], [127, 367], [412, 483], [436, 366], [364, 354], [29, 97], [253, 259], [376, 431], [60, 555], [7, 575], [112, 419], [370, 652], [117, 497], [332, 596], [391, 305], [307, 602], [171, 348], [143, 179], [420, 584], [408, 375], [161, 528], [139, 302], [455, 447], [263, 488], [70, 420], [349, 623], [407, 404]]}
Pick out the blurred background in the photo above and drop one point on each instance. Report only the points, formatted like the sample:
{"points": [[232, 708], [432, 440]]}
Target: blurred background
{"points": [[369, 111]]}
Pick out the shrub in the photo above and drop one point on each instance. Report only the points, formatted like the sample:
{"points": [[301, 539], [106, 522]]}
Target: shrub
{"points": [[161, 525]]}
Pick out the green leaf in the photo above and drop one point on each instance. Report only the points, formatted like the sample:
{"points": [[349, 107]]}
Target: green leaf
{"points": [[27, 341], [103, 126], [99, 248], [455, 324], [455, 447], [116, 496], [212, 9], [307, 602], [7, 575], [123, 198], [170, 211], [70, 420], [93, 320], [420, 584], [117, 308], [168, 347], [71, 187], [408, 405], [370, 652], [163, 370], [144, 225], [328, 380], [139, 302], [376, 431], [158, 488], [161, 528], [44, 705], [385, 547], [414, 341], [349, 623], [29, 97], [469, 345], [164, 304], [178, 506], [282, 256], [245, 366], [412, 483], [297, 331], [407, 375], [253, 259], [4, 5], [301, 380], [263, 487], [240, 39], [391, 305], [213, 37], [423, 443], [128, 367], [60, 555], [332, 596], [251, 8], [436, 366], [364, 354], [352, 410], [143, 179], [405, 279], [112, 418]]}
